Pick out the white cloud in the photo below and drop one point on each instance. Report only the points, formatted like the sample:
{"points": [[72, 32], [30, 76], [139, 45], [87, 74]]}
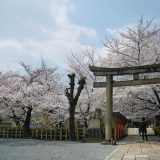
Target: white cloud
{"points": [[32, 29], [111, 31], [114, 32]]}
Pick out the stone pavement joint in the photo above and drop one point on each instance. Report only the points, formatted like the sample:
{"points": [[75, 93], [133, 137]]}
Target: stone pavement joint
{"points": [[133, 150]]}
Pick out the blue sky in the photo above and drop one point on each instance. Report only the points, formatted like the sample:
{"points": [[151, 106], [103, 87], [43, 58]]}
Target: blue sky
{"points": [[52, 28], [113, 14]]}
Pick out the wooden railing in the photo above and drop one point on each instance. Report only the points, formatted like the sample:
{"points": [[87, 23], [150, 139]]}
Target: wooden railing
{"points": [[53, 134]]}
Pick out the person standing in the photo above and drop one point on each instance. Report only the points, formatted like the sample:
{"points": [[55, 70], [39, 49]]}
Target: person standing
{"points": [[143, 128]]}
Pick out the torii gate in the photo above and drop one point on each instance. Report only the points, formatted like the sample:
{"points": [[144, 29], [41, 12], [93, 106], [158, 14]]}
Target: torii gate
{"points": [[110, 83]]}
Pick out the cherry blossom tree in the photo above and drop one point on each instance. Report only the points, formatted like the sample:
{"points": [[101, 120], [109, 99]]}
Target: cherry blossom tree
{"points": [[137, 45], [36, 88]]}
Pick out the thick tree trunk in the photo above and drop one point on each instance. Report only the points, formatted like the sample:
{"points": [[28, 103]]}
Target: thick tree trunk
{"points": [[27, 122], [85, 123], [72, 123]]}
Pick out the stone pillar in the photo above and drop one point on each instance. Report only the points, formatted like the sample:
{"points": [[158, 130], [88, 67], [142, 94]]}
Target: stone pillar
{"points": [[108, 114]]}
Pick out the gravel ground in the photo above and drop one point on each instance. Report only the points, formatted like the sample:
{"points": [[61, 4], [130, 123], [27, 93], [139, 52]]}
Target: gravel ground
{"points": [[20, 149]]}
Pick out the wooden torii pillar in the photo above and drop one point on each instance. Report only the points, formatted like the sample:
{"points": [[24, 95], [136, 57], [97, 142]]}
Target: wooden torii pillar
{"points": [[109, 73]]}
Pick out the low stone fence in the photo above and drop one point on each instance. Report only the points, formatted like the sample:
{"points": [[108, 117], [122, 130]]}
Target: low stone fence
{"points": [[135, 131]]}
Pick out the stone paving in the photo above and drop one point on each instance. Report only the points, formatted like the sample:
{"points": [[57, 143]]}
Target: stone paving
{"points": [[29, 149], [133, 148]]}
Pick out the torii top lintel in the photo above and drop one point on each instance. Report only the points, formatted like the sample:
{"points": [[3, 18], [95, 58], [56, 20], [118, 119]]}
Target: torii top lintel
{"points": [[103, 71]]}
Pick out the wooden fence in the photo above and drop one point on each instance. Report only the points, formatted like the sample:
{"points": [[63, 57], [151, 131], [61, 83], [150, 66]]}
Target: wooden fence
{"points": [[59, 134], [56, 134]]}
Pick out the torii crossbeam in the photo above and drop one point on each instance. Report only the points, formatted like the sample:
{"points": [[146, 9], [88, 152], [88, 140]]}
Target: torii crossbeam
{"points": [[109, 84]]}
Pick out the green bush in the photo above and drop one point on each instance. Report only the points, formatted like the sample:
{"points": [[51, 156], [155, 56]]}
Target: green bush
{"points": [[156, 130]]}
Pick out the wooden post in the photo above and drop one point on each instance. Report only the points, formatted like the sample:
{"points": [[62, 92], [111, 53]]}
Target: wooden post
{"points": [[108, 114], [77, 134], [84, 132], [42, 134], [16, 133], [37, 133], [51, 134], [7, 133], [32, 133], [46, 134], [55, 133], [66, 132], [60, 133], [20, 134], [3, 133]]}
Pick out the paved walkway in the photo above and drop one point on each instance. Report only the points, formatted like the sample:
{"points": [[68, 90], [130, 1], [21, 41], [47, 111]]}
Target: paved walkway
{"points": [[132, 148]]}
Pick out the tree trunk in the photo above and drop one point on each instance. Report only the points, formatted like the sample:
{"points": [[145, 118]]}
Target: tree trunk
{"points": [[69, 92], [27, 122], [72, 122]]}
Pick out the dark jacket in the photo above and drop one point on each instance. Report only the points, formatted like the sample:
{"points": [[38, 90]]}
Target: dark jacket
{"points": [[143, 126]]}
